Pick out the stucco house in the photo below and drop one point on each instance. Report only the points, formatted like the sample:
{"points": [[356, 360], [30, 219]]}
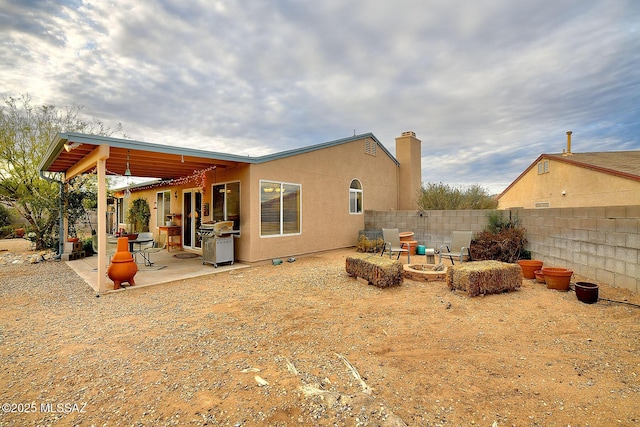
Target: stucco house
{"points": [[576, 180], [284, 204]]}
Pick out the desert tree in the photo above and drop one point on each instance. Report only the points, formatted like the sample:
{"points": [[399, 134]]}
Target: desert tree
{"points": [[439, 196], [26, 131]]}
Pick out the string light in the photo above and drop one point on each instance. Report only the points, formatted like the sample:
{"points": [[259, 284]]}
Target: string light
{"points": [[197, 176]]}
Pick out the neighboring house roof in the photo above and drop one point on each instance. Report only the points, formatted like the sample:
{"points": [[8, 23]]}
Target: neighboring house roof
{"points": [[163, 161], [623, 164]]}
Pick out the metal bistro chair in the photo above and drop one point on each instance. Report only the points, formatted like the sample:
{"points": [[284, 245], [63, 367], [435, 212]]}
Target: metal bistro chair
{"points": [[153, 247], [392, 243], [459, 247]]}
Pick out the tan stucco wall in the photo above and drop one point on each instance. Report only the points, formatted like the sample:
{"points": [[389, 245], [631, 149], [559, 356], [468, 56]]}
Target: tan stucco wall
{"points": [[583, 188], [325, 176]]}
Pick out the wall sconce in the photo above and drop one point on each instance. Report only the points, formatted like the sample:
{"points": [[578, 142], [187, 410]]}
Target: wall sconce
{"points": [[564, 193], [175, 195]]}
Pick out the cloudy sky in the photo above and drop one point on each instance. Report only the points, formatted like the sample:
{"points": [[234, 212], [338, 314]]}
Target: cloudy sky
{"points": [[487, 85]]}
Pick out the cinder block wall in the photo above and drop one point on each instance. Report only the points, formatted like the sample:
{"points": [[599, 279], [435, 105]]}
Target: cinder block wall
{"points": [[601, 243]]}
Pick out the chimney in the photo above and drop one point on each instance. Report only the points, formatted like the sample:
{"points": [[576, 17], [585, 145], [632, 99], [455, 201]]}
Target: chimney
{"points": [[568, 152], [408, 154]]}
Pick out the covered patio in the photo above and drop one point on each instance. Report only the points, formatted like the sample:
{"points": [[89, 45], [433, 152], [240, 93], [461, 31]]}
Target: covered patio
{"points": [[167, 267], [73, 154]]}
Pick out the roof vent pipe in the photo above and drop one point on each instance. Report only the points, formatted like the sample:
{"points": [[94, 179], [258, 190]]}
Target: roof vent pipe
{"points": [[568, 152]]}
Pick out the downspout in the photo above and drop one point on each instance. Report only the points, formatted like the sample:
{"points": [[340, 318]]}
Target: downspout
{"points": [[61, 218]]}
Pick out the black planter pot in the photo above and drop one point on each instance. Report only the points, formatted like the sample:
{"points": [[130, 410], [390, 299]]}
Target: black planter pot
{"points": [[587, 292]]}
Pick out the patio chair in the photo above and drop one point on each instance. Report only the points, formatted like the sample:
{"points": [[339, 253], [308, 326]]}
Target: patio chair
{"points": [[111, 246], [153, 247], [391, 237], [459, 247]]}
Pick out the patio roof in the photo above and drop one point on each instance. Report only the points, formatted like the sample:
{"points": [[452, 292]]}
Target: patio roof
{"points": [[148, 160], [145, 159]]}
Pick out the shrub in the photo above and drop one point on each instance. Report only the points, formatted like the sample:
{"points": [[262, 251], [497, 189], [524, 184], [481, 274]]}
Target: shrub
{"points": [[5, 216], [502, 240], [368, 245]]}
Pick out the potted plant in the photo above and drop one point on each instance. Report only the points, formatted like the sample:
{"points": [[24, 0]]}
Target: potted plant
{"points": [[139, 215]]}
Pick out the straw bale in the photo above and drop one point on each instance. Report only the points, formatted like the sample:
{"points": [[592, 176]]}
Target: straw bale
{"points": [[380, 271], [484, 277]]}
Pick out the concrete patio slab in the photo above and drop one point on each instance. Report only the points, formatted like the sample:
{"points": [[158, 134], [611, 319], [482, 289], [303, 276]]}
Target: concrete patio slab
{"points": [[166, 267]]}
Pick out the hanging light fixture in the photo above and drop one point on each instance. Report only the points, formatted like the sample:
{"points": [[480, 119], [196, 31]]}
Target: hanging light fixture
{"points": [[127, 171]]}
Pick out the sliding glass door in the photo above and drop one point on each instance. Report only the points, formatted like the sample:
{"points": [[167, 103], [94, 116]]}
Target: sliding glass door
{"points": [[191, 218]]}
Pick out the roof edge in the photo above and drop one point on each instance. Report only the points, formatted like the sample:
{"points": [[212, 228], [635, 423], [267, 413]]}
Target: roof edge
{"points": [[335, 142], [61, 139]]}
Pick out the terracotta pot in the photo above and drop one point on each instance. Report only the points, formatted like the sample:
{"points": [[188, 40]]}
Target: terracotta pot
{"points": [[406, 236], [557, 278], [413, 245], [73, 239], [539, 276], [587, 292], [529, 266], [123, 268]]}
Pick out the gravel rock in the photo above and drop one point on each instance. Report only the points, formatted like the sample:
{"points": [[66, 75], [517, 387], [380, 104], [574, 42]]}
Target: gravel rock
{"points": [[329, 350]]}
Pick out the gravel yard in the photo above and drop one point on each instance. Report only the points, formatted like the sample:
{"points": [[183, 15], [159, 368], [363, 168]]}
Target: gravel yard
{"points": [[304, 344]]}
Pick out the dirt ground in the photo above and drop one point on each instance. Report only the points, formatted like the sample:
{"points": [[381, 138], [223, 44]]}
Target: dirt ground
{"points": [[303, 343]]}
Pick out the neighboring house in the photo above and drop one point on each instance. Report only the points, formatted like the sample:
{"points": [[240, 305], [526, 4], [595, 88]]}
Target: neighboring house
{"points": [[576, 180], [289, 203]]}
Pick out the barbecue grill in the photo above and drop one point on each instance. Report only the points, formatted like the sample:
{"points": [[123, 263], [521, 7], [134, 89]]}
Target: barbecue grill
{"points": [[217, 239]]}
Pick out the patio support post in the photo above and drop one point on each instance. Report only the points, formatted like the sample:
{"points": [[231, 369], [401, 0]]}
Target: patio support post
{"points": [[102, 224], [97, 157]]}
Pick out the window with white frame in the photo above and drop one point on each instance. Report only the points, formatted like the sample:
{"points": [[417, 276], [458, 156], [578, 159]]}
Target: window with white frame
{"points": [[355, 197], [225, 203], [280, 208], [163, 207]]}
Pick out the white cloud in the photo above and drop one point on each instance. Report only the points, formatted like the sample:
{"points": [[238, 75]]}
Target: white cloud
{"points": [[487, 86]]}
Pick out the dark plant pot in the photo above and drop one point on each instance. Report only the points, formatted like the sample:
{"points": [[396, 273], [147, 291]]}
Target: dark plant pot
{"points": [[587, 292], [529, 266], [557, 278]]}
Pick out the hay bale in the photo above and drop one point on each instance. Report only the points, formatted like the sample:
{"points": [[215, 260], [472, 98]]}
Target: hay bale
{"points": [[484, 277], [378, 270]]}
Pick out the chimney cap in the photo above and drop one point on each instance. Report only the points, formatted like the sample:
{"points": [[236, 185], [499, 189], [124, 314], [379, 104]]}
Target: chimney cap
{"points": [[569, 132], [409, 133]]}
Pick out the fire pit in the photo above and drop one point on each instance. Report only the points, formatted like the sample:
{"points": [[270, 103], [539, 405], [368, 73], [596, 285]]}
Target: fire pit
{"points": [[424, 272]]}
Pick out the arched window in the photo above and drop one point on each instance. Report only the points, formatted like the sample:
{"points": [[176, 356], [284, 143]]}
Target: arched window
{"points": [[355, 197]]}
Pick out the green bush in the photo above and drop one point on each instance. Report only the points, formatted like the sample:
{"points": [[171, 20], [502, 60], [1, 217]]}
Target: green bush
{"points": [[6, 231], [5, 216], [87, 245]]}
